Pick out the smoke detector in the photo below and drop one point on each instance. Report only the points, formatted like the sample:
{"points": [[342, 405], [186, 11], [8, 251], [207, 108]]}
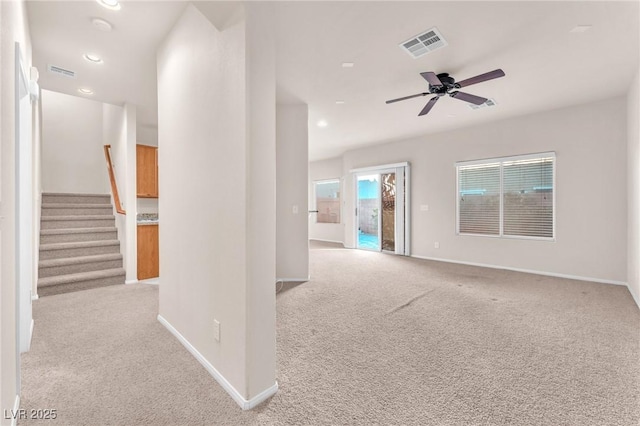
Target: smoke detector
{"points": [[424, 43]]}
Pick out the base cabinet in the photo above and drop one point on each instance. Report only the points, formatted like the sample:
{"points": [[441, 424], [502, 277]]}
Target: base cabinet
{"points": [[148, 252]]}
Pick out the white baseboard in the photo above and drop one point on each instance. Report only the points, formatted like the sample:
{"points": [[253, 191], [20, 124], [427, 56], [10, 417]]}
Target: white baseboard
{"points": [[35, 297], [16, 411], [293, 280], [634, 295], [237, 397], [131, 281], [326, 241], [31, 333], [154, 281], [528, 271]]}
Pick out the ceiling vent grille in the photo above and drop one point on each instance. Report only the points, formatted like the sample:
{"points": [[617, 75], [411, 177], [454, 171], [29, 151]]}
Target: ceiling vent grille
{"points": [[488, 103], [61, 71], [424, 43]]}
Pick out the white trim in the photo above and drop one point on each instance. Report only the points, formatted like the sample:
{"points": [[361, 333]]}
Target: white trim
{"points": [[35, 297], [152, 281], [634, 296], [549, 154], [131, 281], [527, 271], [327, 241], [293, 280], [237, 396], [33, 323], [16, 410], [380, 167]]}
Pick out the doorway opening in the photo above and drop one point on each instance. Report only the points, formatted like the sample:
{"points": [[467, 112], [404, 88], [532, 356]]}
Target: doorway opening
{"points": [[382, 208]]}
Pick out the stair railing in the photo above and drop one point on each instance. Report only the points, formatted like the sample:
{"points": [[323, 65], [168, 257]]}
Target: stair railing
{"points": [[112, 178]]}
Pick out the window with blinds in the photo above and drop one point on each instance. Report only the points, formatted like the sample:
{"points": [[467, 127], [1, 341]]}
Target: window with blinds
{"points": [[510, 197]]}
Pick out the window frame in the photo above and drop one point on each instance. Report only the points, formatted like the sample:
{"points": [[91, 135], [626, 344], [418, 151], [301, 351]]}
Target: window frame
{"points": [[501, 161], [315, 199]]}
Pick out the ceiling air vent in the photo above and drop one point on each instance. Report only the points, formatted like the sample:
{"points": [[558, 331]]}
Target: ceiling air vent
{"points": [[424, 43], [61, 71], [488, 103]]}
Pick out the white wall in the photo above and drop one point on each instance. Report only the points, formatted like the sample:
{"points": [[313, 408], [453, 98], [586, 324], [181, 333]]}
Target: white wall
{"points": [[591, 211], [114, 133], [216, 114], [292, 171], [130, 194], [14, 29], [323, 170], [147, 135], [633, 189], [72, 148]]}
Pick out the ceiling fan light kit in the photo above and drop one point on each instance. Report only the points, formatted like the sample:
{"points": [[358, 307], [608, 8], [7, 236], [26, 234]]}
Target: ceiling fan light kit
{"points": [[443, 84]]}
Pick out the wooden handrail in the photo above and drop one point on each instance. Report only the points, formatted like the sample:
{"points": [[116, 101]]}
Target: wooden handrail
{"points": [[112, 178]]}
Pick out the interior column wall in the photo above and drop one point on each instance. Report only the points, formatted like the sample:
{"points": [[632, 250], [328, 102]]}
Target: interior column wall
{"points": [[15, 28], [216, 138], [633, 190], [292, 170]]}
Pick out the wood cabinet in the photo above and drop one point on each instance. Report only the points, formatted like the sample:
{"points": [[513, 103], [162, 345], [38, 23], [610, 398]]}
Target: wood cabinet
{"points": [[148, 250], [147, 171]]}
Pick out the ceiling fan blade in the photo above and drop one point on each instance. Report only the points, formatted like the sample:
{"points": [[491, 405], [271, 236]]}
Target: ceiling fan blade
{"points": [[428, 106], [432, 78], [482, 77], [477, 100], [406, 97]]}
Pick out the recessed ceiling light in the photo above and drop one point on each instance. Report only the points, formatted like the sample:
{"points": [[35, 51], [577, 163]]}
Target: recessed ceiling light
{"points": [[110, 4], [580, 29], [85, 91], [92, 58], [339, 102], [101, 24], [322, 123], [347, 65]]}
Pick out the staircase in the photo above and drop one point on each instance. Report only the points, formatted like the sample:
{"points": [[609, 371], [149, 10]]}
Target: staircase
{"points": [[79, 246]]}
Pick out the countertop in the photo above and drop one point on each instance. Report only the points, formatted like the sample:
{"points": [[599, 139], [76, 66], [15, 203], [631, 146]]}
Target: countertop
{"points": [[147, 219]]}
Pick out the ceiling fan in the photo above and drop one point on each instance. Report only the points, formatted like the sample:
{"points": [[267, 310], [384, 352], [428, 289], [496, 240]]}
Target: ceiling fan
{"points": [[443, 84]]}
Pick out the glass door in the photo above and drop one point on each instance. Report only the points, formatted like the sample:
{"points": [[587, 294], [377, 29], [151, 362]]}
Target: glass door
{"points": [[381, 209], [368, 212]]}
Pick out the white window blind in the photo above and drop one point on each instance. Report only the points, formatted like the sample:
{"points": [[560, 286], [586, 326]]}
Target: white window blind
{"points": [[528, 197], [479, 199], [510, 197]]}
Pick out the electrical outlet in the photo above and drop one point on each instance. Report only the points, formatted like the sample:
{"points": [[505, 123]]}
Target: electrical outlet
{"points": [[295, 209], [436, 245], [216, 330]]}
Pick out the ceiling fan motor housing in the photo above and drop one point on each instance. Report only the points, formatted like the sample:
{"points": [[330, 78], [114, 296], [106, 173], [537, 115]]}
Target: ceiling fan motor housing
{"points": [[448, 83]]}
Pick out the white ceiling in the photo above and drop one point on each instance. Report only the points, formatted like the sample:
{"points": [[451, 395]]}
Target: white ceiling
{"points": [[546, 66]]}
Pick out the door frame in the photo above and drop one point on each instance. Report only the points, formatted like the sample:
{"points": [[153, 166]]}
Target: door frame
{"points": [[24, 210], [381, 169]]}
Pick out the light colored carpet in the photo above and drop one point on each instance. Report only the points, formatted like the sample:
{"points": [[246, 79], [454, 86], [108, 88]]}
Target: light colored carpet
{"points": [[371, 339]]}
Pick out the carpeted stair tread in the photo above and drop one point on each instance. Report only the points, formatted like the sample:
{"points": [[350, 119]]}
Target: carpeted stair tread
{"points": [[77, 230], [82, 276], [79, 244], [75, 205], [48, 263], [73, 194], [79, 217]]}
